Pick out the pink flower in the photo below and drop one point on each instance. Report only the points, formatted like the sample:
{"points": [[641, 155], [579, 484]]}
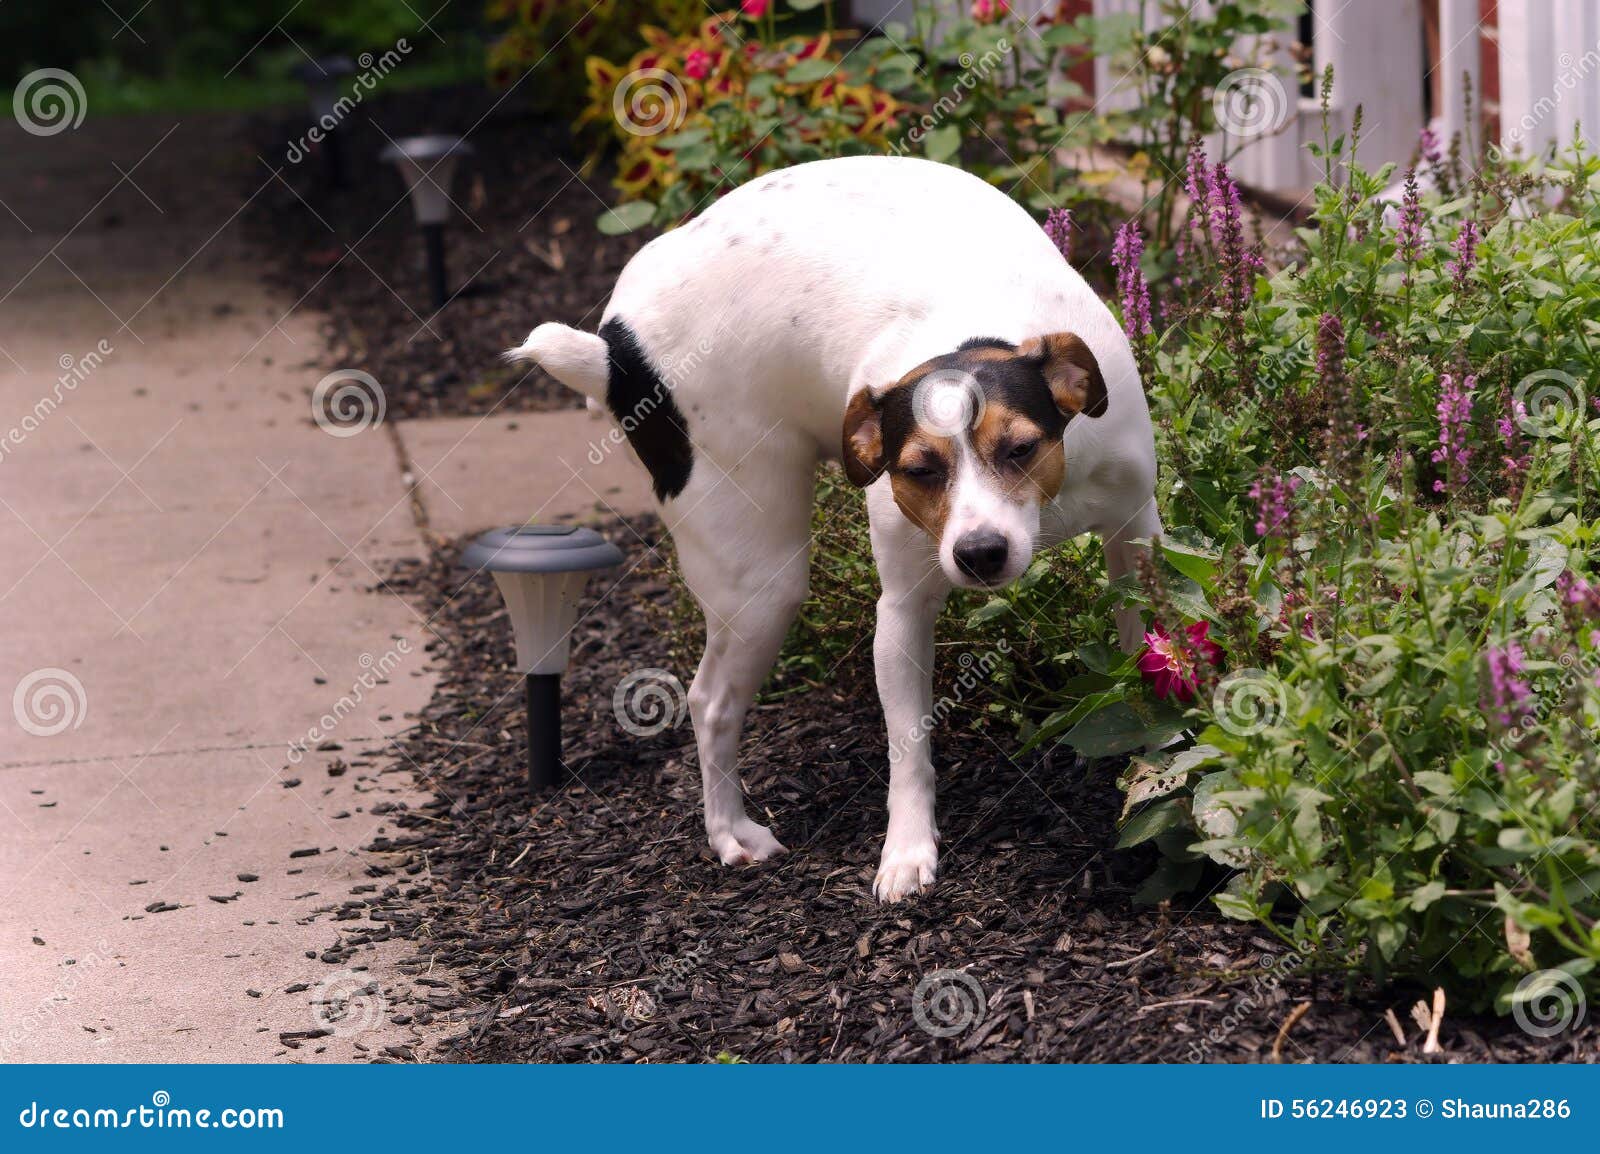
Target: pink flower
{"points": [[1509, 694], [987, 11], [1455, 417], [1169, 663], [697, 65], [1274, 498], [1465, 246], [1126, 254], [1058, 227], [755, 9]]}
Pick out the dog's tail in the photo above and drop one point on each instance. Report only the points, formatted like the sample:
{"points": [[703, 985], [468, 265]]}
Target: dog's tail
{"points": [[576, 359]]}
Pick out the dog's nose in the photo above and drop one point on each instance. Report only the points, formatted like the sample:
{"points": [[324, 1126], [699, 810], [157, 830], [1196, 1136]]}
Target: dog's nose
{"points": [[981, 554]]}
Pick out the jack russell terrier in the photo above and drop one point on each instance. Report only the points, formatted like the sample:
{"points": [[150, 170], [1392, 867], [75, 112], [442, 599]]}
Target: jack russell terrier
{"points": [[909, 320]]}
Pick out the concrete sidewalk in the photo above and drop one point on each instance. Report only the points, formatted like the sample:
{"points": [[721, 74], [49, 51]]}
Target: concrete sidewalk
{"points": [[187, 566]]}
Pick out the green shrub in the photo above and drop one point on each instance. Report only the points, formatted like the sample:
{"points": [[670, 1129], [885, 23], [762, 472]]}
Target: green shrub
{"points": [[1377, 472]]}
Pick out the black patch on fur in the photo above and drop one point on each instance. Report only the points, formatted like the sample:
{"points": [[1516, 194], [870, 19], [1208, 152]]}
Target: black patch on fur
{"points": [[642, 404], [985, 343]]}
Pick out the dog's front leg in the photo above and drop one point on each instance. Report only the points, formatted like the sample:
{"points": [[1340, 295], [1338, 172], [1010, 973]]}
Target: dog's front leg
{"points": [[902, 650]]}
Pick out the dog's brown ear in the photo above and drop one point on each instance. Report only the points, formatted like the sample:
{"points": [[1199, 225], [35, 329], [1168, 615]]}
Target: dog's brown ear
{"points": [[1071, 372], [863, 438]]}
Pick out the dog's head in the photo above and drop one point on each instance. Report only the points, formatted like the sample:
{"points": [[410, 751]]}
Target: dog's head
{"points": [[971, 442]]}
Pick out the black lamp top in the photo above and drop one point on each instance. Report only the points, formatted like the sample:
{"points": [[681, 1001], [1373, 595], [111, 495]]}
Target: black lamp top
{"points": [[541, 549]]}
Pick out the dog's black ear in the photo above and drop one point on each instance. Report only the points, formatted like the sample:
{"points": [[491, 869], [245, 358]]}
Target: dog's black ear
{"points": [[863, 438], [1071, 372]]}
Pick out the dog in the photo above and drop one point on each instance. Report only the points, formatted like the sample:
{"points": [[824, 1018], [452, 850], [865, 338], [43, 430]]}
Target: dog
{"points": [[912, 322]]}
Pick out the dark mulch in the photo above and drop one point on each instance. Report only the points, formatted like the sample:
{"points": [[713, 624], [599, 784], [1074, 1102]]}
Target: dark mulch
{"points": [[523, 249], [592, 925]]}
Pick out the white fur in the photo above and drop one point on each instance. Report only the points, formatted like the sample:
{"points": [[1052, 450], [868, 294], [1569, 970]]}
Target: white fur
{"points": [[793, 292]]}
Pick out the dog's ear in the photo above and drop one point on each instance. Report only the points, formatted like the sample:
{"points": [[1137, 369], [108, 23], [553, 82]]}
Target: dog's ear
{"points": [[863, 438], [1071, 372]]}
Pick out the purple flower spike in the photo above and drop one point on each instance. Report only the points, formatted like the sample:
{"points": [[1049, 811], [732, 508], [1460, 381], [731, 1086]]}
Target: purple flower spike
{"points": [[1465, 247], [1455, 415], [1058, 227], [1274, 497], [1428, 144], [1409, 238], [1509, 695], [1126, 253]]}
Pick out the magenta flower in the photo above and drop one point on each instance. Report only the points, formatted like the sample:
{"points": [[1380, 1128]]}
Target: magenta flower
{"points": [[755, 9], [1058, 227], [1455, 414], [1169, 663], [1126, 253], [1465, 247], [1574, 590], [1509, 695], [697, 65], [1515, 457]]}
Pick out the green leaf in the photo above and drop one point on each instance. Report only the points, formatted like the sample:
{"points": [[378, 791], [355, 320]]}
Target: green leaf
{"points": [[942, 143], [988, 611], [810, 71], [625, 218], [1118, 729], [1148, 823]]}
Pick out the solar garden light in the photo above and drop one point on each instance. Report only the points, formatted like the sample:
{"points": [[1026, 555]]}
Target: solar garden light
{"points": [[426, 164], [541, 571], [321, 78]]}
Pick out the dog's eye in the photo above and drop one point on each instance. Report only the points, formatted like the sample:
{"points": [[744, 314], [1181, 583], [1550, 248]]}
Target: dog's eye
{"points": [[1023, 451], [920, 472]]}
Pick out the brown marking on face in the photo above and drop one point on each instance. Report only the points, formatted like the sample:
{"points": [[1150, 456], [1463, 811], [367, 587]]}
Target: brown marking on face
{"points": [[920, 480], [1037, 475]]}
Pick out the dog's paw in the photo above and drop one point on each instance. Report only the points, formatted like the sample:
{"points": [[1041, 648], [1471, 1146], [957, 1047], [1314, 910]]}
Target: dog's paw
{"points": [[906, 869], [745, 843]]}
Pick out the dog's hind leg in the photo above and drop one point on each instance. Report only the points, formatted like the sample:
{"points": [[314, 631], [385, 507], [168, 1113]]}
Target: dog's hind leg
{"points": [[743, 544]]}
